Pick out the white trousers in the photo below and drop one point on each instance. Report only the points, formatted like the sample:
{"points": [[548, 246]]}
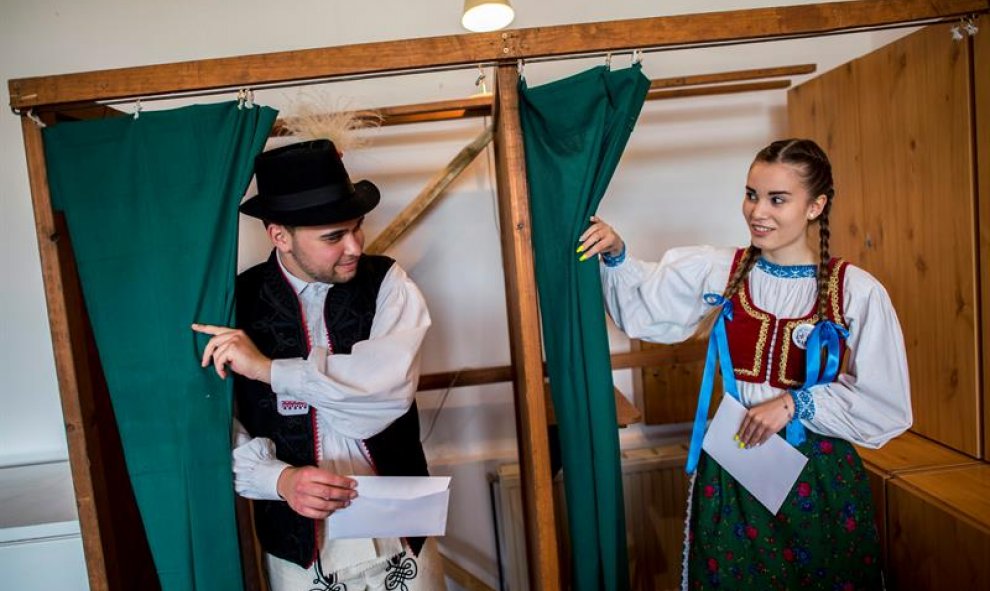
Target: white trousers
{"points": [[403, 572]]}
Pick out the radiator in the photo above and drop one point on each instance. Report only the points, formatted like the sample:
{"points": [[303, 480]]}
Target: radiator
{"points": [[655, 489]]}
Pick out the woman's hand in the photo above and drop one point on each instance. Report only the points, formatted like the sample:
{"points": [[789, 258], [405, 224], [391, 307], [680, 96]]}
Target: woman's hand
{"points": [[599, 238], [763, 420]]}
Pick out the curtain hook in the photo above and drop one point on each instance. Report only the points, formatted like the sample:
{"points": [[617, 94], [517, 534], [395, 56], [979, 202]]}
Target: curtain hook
{"points": [[240, 98], [608, 60], [970, 26], [137, 108], [33, 117], [637, 56], [520, 66], [957, 34], [480, 82], [249, 99]]}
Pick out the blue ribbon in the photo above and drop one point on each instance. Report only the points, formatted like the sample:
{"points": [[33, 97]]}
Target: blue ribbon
{"points": [[718, 353], [826, 335]]}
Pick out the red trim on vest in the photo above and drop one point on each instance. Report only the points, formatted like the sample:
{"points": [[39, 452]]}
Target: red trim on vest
{"points": [[758, 338]]}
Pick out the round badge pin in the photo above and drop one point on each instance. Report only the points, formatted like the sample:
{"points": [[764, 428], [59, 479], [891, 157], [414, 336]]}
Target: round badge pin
{"points": [[801, 333]]}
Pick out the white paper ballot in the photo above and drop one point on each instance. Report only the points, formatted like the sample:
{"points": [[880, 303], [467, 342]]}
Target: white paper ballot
{"points": [[393, 507], [768, 471]]}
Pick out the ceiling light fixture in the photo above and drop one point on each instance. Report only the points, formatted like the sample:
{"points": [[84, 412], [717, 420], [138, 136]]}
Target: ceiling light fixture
{"points": [[486, 15]]}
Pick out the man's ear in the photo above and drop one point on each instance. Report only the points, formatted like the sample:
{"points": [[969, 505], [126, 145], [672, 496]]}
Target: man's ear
{"points": [[280, 236]]}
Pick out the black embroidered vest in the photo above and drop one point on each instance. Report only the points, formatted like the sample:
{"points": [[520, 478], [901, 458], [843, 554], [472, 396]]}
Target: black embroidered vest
{"points": [[269, 311]]}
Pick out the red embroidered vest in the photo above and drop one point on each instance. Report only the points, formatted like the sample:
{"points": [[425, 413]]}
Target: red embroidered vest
{"points": [[758, 338]]}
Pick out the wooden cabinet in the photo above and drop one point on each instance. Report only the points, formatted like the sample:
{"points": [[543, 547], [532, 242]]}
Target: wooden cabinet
{"points": [[898, 125], [939, 529], [907, 454]]}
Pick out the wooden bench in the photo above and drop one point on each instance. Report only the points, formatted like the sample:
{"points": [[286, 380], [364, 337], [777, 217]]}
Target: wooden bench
{"points": [[907, 454], [939, 529]]}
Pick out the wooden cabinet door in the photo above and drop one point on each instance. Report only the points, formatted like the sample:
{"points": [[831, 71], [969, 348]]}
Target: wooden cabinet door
{"points": [[898, 125]]}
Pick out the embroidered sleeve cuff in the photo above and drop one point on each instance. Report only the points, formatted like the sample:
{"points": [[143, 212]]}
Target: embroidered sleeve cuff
{"points": [[615, 261], [804, 404]]}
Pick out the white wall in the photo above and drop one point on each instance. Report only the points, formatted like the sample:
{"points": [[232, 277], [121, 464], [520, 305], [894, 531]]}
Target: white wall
{"points": [[679, 183]]}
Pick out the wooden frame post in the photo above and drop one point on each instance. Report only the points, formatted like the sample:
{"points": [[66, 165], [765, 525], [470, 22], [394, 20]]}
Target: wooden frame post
{"points": [[525, 340]]}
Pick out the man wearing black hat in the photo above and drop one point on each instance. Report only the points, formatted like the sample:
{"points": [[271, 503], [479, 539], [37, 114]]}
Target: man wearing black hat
{"points": [[326, 361]]}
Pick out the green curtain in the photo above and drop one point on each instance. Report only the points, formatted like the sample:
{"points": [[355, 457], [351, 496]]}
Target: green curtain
{"points": [[574, 132], [151, 205]]}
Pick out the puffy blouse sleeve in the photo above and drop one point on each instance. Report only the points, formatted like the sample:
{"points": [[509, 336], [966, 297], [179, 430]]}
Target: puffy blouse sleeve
{"points": [[870, 403], [365, 391], [662, 302]]}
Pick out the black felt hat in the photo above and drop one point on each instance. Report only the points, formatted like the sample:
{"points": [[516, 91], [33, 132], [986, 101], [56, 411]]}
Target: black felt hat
{"points": [[306, 184]]}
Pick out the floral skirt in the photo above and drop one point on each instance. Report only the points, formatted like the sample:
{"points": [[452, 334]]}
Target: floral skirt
{"points": [[823, 537]]}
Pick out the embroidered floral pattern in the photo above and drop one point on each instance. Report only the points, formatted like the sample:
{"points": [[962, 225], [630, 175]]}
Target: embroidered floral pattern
{"points": [[614, 261], [325, 583], [823, 538], [761, 342], [804, 404], [400, 569], [786, 271]]}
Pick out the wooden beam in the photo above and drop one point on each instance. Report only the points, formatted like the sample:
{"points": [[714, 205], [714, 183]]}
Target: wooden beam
{"points": [[688, 351], [733, 76], [440, 181], [674, 93], [526, 349], [462, 50], [482, 106], [462, 576]]}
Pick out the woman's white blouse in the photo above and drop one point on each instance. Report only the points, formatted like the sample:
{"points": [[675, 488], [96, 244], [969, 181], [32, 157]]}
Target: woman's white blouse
{"points": [[868, 405]]}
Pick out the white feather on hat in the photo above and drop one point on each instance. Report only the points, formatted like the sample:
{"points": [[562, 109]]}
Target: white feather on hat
{"points": [[317, 115]]}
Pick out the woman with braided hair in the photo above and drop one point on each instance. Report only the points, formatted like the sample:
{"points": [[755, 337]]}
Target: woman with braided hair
{"points": [[817, 355]]}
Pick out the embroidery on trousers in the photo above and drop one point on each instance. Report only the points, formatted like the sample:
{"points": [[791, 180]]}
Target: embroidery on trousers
{"points": [[328, 584], [400, 569]]}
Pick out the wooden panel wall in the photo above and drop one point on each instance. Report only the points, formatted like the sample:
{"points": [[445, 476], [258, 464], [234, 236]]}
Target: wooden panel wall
{"points": [[981, 74], [898, 127]]}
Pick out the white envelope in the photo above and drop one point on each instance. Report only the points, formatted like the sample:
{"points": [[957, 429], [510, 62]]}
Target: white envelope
{"points": [[393, 507], [767, 471]]}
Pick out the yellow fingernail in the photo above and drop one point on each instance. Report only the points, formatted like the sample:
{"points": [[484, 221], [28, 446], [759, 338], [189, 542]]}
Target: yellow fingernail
{"points": [[580, 249], [736, 438], [583, 258], [742, 445]]}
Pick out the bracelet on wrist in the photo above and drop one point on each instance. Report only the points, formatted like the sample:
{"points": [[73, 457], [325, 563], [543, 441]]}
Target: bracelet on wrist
{"points": [[614, 261]]}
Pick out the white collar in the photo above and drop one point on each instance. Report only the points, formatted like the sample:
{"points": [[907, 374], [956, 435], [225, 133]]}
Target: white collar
{"points": [[297, 284]]}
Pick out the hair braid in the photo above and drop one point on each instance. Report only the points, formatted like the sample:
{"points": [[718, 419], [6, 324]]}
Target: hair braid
{"points": [[816, 173], [824, 258], [742, 271], [746, 264]]}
